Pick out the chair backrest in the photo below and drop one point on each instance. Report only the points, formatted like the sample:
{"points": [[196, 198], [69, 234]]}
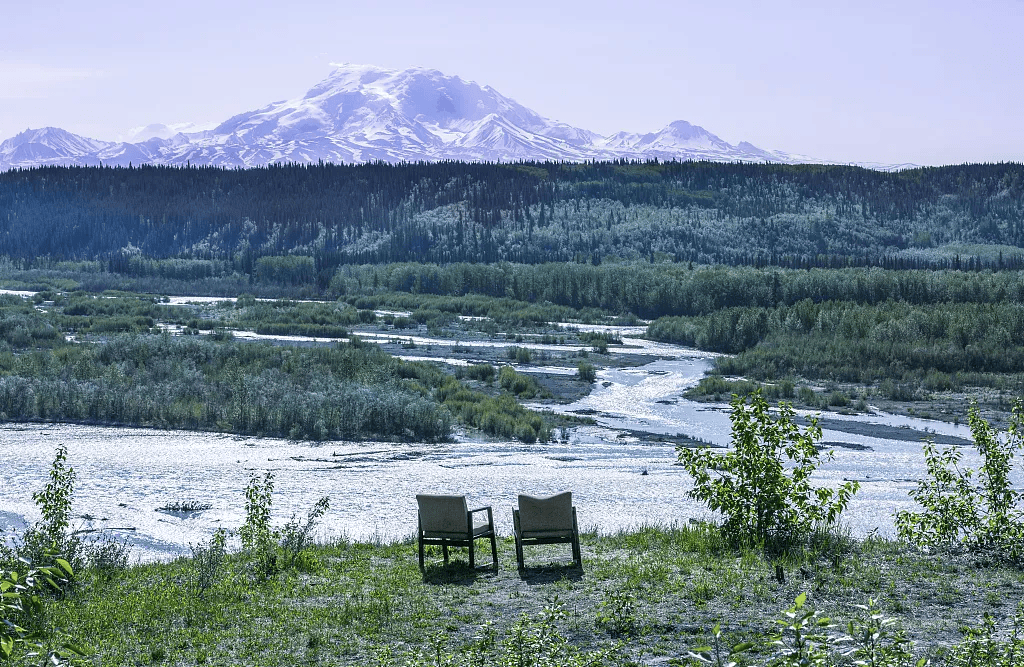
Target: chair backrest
{"points": [[553, 513], [443, 514]]}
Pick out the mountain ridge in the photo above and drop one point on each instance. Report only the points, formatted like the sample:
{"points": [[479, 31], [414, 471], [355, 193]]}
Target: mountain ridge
{"points": [[362, 113]]}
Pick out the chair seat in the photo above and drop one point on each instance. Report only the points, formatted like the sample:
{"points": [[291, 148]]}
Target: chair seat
{"points": [[540, 534], [441, 535], [482, 530]]}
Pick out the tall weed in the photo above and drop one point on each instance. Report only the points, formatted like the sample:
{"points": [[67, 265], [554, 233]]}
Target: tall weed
{"points": [[296, 535]]}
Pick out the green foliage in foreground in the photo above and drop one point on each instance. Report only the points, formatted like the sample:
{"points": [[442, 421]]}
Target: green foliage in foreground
{"points": [[23, 631], [959, 511], [352, 604], [269, 549], [762, 485], [645, 595], [52, 533]]}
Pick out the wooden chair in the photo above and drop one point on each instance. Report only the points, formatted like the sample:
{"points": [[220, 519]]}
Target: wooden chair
{"points": [[546, 521], [448, 522]]}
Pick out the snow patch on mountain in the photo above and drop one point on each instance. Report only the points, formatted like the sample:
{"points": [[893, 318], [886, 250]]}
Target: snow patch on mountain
{"points": [[363, 113]]}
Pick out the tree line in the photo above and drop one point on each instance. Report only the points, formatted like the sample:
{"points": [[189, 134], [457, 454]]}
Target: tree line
{"points": [[295, 224], [935, 347]]}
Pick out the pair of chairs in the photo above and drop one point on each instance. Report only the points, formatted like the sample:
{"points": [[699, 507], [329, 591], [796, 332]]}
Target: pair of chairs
{"points": [[447, 521]]}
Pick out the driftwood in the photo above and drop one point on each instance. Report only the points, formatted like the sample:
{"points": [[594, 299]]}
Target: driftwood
{"points": [[85, 531]]}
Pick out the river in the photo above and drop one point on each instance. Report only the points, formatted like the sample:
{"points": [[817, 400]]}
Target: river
{"points": [[619, 481]]}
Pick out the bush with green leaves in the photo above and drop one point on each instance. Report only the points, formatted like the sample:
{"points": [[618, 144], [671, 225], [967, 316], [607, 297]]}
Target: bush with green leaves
{"points": [[877, 641], [259, 538], [762, 486], [22, 614], [208, 562], [269, 549], [617, 614], [481, 372], [977, 510], [52, 533], [297, 534]]}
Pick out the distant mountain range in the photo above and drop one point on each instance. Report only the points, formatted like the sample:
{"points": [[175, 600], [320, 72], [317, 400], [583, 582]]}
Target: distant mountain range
{"points": [[364, 113]]}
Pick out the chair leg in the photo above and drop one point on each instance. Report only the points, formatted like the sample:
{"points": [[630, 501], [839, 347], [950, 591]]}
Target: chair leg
{"points": [[444, 550], [421, 553], [519, 552], [472, 561], [494, 552], [576, 556]]}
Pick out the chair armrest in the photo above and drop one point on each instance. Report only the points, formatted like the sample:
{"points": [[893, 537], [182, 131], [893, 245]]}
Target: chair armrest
{"points": [[490, 515]]}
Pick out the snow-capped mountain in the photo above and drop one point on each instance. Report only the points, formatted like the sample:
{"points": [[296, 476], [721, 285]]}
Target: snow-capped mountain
{"points": [[365, 113]]}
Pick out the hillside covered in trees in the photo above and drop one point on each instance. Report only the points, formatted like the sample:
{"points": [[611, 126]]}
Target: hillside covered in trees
{"points": [[325, 216]]}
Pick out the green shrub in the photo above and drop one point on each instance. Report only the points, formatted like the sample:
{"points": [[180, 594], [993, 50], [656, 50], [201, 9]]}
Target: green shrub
{"points": [[519, 384], [22, 614], [520, 355], [838, 399], [267, 548], [259, 539], [990, 646], [617, 613], [586, 372], [804, 637], [960, 512], [296, 535], [208, 561], [501, 416], [52, 533], [762, 486], [481, 372]]}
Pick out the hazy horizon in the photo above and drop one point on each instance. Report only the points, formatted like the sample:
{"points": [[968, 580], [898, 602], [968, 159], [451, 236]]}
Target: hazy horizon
{"points": [[926, 83]]}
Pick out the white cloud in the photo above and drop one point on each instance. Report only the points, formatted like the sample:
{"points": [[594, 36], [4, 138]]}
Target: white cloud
{"points": [[34, 80]]}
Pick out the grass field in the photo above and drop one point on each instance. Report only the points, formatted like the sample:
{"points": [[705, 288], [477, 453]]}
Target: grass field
{"points": [[642, 597]]}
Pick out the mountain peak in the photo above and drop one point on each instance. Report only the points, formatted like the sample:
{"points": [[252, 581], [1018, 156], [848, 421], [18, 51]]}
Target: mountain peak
{"points": [[362, 113]]}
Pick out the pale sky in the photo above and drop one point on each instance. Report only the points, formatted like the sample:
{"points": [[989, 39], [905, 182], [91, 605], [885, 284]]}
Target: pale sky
{"points": [[886, 81]]}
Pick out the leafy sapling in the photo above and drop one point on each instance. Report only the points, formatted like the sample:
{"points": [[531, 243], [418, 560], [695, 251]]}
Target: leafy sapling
{"points": [[762, 485], [976, 510]]}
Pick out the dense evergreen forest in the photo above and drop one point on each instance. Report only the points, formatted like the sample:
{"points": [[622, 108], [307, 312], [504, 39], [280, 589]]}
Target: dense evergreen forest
{"points": [[299, 223]]}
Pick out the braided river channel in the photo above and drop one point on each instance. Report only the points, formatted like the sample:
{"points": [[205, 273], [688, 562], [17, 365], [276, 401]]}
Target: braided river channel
{"points": [[621, 472]]}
